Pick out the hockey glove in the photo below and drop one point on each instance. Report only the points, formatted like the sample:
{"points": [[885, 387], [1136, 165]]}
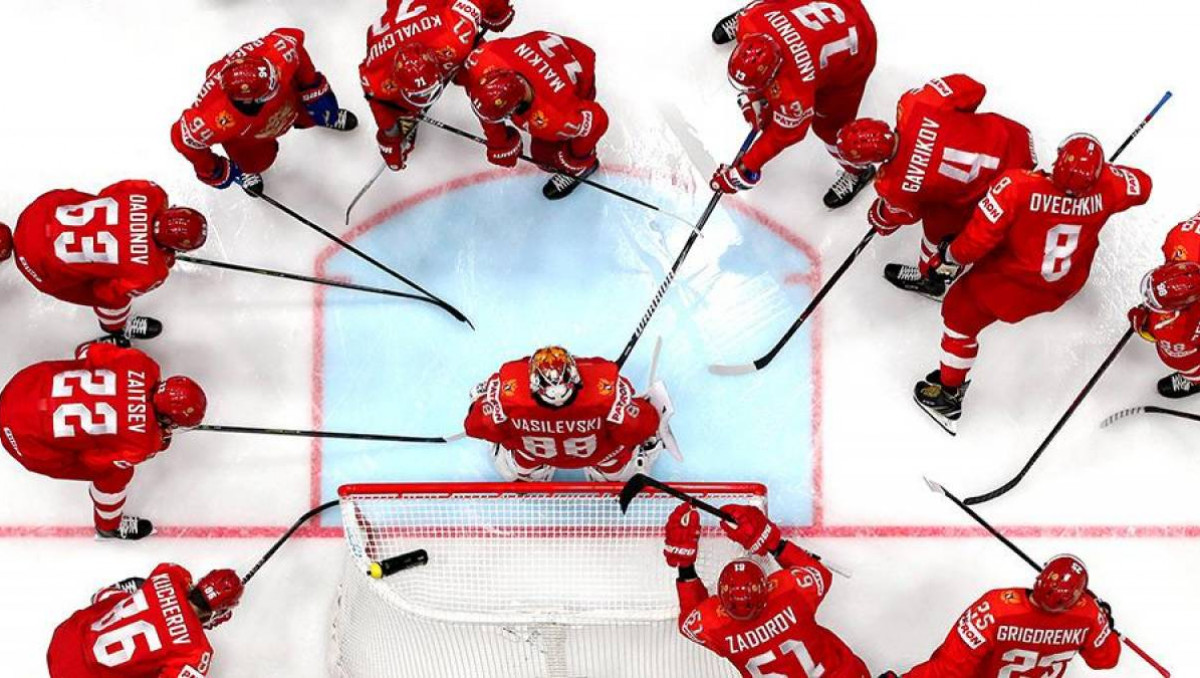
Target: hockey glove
{"points": [[226, 172], [887, 219], [499, 23], [1139, 320], [506, 152], [394, 149], [251, 183], [1107, 610], [734, 178], [124, 587], [752, 530], [750, 111], [943, 264], [683, 537], [321, 103]]}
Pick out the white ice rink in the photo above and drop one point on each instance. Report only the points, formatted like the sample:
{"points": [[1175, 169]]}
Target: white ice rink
{"points": [[91, 89]]}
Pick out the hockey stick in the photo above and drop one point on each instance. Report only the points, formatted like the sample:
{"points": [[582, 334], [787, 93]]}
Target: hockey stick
{"points": [[940, 489], [449, 77], [730, 370], [1112, 356], [365, 257], [639, 482], [594, 184], [970, 501], [366, 187], [303, 278], [1147, 409], [326, 434], [687, 247], [286, 536]]}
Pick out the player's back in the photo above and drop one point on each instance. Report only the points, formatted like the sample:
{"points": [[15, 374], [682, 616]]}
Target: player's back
{"points": [[575, 435], [1026, 639], [1054, 237], [819, 41], [99, 404], [146, 634], [558, 68], [784, 640], [947, 156]]}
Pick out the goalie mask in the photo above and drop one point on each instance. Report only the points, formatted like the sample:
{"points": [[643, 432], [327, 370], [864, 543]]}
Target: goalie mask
{"points": [[553, 376]]}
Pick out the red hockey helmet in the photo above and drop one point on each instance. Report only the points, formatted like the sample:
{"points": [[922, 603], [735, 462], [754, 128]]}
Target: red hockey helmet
{"points": [[180, 401], [742, 589], [182, 229], [1172, 287], [6, 242], [553, 375], [866, 141], [251, 80], [216, 594], [498, 94], [1061, 584], [418, 74], [754, 63], [1183, 242], [1079, 164]]}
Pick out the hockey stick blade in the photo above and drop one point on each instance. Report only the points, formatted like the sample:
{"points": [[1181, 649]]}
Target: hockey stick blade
{"points": [[632, 489], [935, 487], [1117, 416], [732, 370], [363, 191]]}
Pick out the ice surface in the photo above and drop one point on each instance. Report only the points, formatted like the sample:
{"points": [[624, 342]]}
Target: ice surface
{"points": [[91, 89]]}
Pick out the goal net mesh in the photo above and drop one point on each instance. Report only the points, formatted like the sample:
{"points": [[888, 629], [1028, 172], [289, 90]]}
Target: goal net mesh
{"points": [[523, 581]]}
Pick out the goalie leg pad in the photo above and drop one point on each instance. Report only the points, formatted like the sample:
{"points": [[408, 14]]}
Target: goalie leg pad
{"points": [[511, 471]]}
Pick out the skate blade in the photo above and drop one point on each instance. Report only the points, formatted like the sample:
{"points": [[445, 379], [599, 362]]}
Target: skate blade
{"points": [[948, 425]]}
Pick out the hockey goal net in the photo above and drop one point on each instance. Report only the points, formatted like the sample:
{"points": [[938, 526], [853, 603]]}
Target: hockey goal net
{"points": [[523, 581]]}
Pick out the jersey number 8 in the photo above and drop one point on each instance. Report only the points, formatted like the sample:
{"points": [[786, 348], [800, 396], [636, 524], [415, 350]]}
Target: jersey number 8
{"points": [[547, 448]]}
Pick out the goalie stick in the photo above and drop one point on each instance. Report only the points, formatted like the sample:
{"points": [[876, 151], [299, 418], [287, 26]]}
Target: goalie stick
{"points": [[1146, 409], [326, 434], [365, 257], [941, 489], [303, 278], [639, 482]]}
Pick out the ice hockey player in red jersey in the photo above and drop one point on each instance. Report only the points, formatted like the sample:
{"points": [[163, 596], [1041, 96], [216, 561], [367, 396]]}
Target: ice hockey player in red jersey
{"points": [[936, 166], [1023, 632], [800, 64], [551, 411], [1169, 317], [1030, 245], [412, 52], [763, 625], [1183, 242], [250, 98], [105, 250], [545, 84], [95, 418], [146, 628]]}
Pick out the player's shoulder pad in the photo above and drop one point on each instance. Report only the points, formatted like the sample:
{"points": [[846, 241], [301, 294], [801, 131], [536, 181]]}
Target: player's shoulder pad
{"points": [[1134, 182], [294, 34]]}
